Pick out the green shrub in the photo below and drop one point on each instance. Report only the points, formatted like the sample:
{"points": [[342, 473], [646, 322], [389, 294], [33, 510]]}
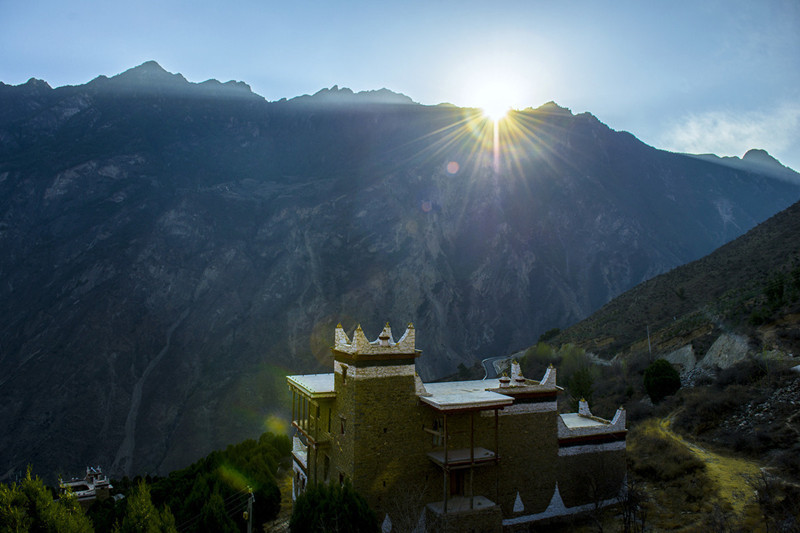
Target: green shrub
{"points": [[549, 334], [704, 408], [332, 507], [661, 380]]}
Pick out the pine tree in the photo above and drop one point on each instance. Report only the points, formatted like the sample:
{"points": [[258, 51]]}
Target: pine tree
{"points": [[29, 506], [143, 517]]}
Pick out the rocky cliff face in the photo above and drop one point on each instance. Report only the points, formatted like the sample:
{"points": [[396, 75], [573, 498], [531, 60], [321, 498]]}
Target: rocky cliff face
{"points": [[171, 250]]}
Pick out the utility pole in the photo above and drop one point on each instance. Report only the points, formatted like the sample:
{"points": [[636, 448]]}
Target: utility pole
{"points": [[249, 512]]}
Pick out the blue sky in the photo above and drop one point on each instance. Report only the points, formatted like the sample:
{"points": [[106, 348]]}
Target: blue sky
{"points": [[697, 76]]}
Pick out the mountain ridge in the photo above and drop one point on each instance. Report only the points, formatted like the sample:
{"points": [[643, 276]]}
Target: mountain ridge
{"points": [[724, 291], [191, 251]]}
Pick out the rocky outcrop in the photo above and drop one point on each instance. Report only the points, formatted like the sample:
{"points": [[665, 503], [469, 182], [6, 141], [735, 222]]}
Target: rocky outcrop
{"points": [[726, 351], [684, 359]]}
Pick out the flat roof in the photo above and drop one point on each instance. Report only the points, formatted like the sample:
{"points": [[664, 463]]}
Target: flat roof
{"points": [[574, 420], [315, 385], [465, 395]]}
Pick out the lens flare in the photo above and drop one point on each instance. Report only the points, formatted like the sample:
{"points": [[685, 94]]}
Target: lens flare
{"points": [[496, 111], [233, 477], [276, 425]]}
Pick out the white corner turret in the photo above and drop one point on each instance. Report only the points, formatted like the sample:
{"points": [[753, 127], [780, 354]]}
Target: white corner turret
{"points": [[340, 337], [360, 342], [385, 338], [383, 345], [517, 379], [420, 386], [549, 378], [619, 418], [408, 341]]}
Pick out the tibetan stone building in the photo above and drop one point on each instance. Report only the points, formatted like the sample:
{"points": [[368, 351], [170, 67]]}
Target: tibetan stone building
{"points": [[455, 456]]}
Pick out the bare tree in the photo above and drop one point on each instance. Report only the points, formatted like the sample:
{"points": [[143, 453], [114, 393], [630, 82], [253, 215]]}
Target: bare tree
{"points": [[632, 505], [405, 508], [778, 503]]}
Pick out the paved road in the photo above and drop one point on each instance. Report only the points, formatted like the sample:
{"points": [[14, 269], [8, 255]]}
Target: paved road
{"points": [[489, 368]]}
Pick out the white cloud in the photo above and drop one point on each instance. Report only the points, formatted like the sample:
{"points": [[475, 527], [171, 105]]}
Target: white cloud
{"points": [[776, 130]]}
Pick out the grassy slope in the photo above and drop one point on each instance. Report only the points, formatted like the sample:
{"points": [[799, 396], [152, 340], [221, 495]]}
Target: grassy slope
{"points": [[744, 418], [691, 302]]}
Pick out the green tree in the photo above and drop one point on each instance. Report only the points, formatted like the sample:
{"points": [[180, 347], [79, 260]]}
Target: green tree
{"points": [[142, 516], [581, 386], [661, 380], [332, 507], [251, 464], [774, 290], [214, 517], [29, 506], [549, 334], [536, 360]]}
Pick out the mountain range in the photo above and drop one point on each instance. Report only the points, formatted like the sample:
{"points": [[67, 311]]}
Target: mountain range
{"points": [[172, 249]]}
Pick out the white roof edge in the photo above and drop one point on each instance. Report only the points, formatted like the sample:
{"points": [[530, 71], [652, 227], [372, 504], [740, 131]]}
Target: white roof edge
{"points": [[315, 385], [453, 405]]}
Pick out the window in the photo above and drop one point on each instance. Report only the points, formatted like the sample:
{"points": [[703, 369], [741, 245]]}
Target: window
{"points": [[438, 426], [344, 374], [344, 424]]}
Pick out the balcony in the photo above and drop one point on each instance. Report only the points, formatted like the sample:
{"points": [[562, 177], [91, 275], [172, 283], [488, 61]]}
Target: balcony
{"points": [[461, 458], [461, 513], [313, 435], [300, 453], [460, 504]]}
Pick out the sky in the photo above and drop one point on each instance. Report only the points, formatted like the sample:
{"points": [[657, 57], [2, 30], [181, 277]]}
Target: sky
{"points": [[690, 76]]}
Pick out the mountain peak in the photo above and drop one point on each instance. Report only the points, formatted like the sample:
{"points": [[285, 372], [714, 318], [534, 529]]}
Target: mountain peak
{"points": [[31, 86], [758, 155], [149, 72], [150, 77], [755, 160], [552, 107], [346, 96], [150, 66], [37, 84]]}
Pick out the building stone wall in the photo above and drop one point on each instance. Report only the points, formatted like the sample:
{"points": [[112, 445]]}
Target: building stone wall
{"points": [[528, 465], [590, 478], [378, 426], [480, 521]]}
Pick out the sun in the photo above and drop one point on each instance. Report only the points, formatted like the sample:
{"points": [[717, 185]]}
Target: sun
{"points": [[495, 111], [494, 96]]}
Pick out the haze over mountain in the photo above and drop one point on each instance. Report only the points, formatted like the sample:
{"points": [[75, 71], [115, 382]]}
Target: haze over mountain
{"points": [[171, 249], [749, 287]]}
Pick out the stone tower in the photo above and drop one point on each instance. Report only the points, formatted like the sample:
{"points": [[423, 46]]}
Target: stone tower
{"points": [[377, 407]]}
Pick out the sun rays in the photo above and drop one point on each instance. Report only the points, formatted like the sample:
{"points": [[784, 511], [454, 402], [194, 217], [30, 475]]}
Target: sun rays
{"points": [[477, 139]]}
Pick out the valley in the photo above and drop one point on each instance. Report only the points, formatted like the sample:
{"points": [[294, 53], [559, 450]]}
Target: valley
{"points": [[143, 207]]}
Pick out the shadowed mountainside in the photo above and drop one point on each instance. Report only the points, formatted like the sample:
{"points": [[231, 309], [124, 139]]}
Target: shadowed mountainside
{"points": [[749, 286], [172, 249]]}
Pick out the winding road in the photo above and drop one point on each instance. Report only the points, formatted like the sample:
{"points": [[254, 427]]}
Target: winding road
{"points": [[490, 364]]}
